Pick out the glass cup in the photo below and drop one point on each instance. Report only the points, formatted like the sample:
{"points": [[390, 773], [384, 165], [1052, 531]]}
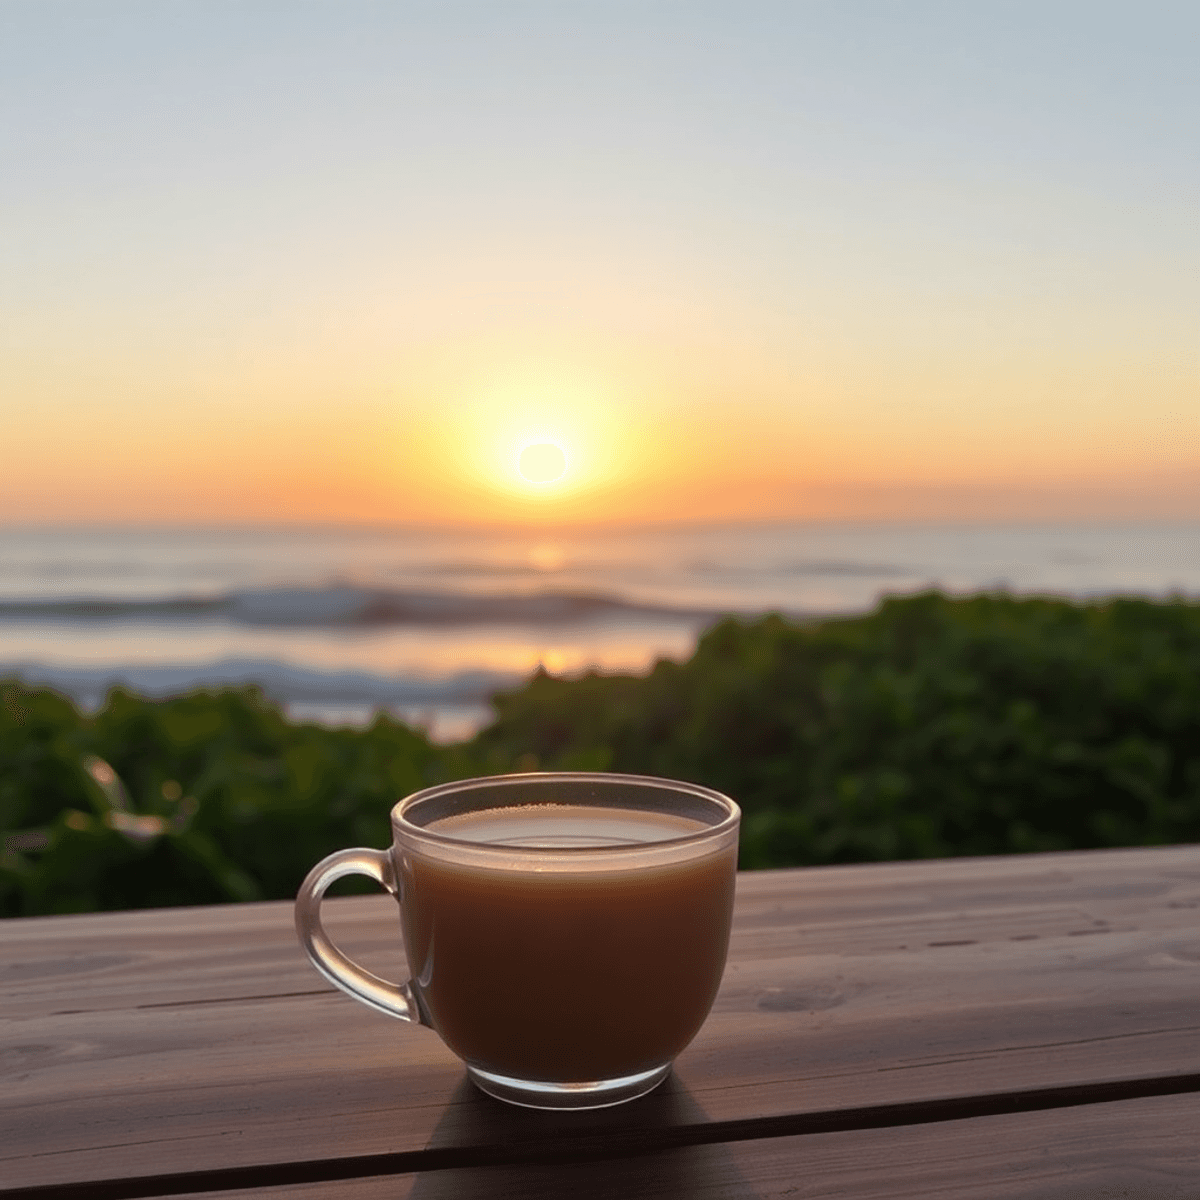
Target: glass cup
{"points": [[566, 931]]}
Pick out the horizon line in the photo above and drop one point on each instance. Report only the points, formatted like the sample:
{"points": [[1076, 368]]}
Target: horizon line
{"points": [[665, 525]]}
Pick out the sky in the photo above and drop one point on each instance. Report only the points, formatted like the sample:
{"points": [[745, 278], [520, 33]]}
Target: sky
{"points": [[302, 262]]}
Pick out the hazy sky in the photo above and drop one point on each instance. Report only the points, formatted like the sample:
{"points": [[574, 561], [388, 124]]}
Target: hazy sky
{"points": [[342, 261]]}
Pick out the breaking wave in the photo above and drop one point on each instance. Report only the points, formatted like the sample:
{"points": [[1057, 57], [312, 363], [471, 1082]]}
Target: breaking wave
{"points": [[349, 606]]}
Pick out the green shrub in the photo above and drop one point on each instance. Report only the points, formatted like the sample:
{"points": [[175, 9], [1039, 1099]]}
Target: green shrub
{"points": [[930, 727], [933, 726], [204, 798]]}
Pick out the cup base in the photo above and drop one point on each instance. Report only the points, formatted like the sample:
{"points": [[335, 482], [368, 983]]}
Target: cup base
{"points": [[559, 1096]]}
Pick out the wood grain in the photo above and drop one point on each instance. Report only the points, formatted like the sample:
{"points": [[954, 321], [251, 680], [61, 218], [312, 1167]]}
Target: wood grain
{"points": [[1146, 1149], [202, 1039]]}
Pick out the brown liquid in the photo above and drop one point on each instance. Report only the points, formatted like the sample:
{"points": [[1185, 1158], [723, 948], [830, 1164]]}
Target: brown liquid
{"points": [[560, 977]]}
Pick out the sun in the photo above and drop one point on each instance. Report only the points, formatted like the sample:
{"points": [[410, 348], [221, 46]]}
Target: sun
{"points": [[542, 462]]}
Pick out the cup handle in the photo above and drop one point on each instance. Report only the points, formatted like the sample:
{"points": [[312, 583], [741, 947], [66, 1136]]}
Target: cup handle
{"points": [[397, 1000]]}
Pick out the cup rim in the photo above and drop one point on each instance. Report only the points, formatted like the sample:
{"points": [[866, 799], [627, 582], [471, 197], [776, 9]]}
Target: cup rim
{"points": [[727, 823]]}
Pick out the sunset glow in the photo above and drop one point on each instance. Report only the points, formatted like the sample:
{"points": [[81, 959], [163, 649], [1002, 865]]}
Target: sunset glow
{"points": [[542, 462], [911, 272]]}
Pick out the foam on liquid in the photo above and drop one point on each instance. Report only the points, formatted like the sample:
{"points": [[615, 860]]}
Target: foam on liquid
{"points": [[565, 826]]}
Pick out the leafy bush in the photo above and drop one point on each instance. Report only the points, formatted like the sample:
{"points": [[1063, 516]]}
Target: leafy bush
{"points": [[200, 799], [931, 727]]}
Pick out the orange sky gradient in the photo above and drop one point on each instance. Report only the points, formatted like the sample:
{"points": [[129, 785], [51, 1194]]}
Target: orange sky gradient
{"points": [[934, 270], [916, 437]]}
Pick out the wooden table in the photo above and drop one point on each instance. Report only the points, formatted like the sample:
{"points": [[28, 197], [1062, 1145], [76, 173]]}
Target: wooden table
{"points": [[966, 1028]]}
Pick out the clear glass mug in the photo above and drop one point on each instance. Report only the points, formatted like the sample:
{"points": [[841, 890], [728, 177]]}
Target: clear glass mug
{"points": [[566, 931]]}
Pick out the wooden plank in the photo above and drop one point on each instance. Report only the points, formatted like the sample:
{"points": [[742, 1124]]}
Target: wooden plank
{"points": [[560, 1144], [1143, 1148], [201, 1038]]}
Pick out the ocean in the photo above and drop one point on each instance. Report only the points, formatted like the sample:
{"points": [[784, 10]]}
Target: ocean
{"points": [[337, 624]]}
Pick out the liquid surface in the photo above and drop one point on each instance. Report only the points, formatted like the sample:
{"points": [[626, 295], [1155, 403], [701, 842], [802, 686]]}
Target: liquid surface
{"points": [[565, 826]]}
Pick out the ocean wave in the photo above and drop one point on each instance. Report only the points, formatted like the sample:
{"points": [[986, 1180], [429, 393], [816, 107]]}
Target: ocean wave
{"points": [[790, 567], [350, 605]]}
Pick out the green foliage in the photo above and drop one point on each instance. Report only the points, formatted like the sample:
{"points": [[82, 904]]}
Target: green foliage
{"points": [[931, 727], [201, 799]]}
